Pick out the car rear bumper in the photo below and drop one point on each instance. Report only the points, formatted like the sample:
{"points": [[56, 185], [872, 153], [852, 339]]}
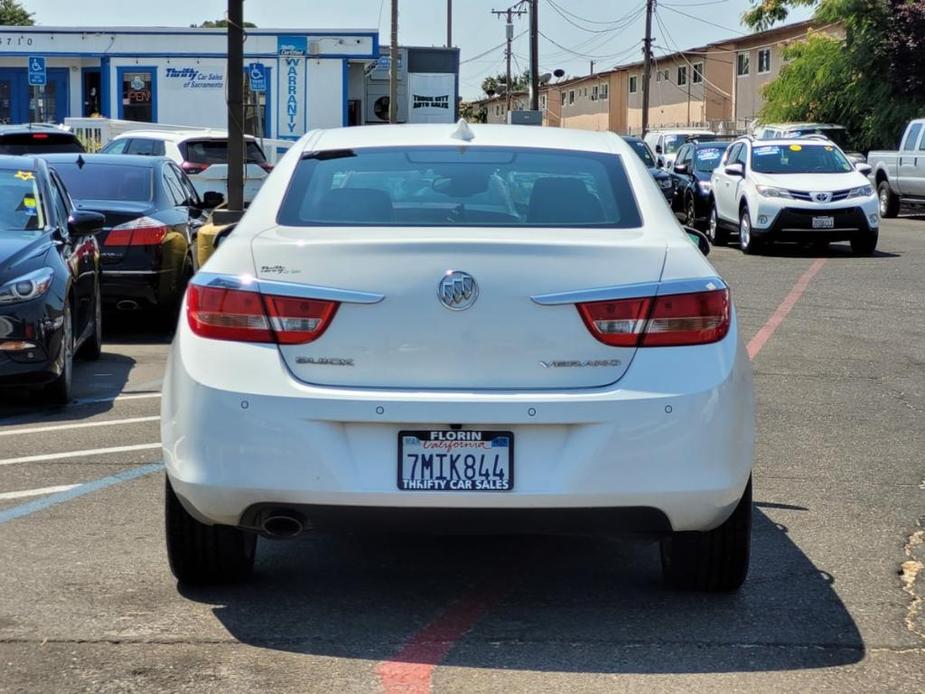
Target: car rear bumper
{"points": [[674, 437], [147, 288]]}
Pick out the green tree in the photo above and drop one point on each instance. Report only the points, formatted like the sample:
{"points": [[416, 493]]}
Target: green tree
{"points": [[220, 24], [494, 84], [12, 13], [864, 82]]}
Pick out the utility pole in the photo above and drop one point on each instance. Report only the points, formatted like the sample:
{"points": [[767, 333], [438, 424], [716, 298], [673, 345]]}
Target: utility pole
{"points": [[235, 105], [534, 55], [592, 67], [646, 70], [449, 23], [393, 66], [509, 33]]}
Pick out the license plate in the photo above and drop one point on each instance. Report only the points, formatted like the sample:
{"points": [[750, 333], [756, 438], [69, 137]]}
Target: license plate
{"points": [[823, 222], [456, 461]]}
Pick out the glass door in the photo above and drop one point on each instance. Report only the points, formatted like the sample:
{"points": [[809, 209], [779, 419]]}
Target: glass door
{"points": [[12, 96]]}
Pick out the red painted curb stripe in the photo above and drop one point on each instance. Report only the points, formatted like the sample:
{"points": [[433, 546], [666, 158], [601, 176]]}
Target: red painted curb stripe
{"points": [[410, 671], [764, 334]]}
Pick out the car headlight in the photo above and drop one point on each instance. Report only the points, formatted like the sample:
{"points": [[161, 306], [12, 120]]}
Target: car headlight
{"points": [[29, 286], [861, 192], [772, 192], [705, 186], [665, 182]]}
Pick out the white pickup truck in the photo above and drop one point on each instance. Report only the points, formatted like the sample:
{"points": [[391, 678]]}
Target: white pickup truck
{"points": [[900, 176]]}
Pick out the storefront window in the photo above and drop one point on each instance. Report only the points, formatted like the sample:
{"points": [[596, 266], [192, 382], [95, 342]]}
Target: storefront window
{"points": [[42, 103], [138, 95]]}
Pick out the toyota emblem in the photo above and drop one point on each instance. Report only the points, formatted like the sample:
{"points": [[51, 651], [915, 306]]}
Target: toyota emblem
{"points": [[457, 290], [823, 197]]}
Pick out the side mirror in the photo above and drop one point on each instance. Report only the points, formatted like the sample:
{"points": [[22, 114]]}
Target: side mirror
{"points": [[680, 168], [85, 223], [212, 199], [222, 235], [735, 170], [660, 162], [863, 168], [699, 239], [658, 149]]}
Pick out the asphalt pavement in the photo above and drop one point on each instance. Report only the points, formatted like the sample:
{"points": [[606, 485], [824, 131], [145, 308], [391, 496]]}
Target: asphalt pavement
{"points": [[833, 601]]}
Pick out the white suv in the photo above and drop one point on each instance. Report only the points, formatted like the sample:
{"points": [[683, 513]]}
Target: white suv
{"points": [[202, 154], [792, 190], [666, 143]]}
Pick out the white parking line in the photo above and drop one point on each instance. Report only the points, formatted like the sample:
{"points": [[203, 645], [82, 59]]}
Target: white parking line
{"points": [[79, 454], [82, 425], [37, 492], [116, 398]]}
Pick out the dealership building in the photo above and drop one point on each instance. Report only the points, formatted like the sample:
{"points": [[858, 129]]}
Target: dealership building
{"points": [[294, 79]]}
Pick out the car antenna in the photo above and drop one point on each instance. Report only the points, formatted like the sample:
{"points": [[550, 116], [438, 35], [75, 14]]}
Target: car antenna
{"points": [[463, 131], [80, 161]]}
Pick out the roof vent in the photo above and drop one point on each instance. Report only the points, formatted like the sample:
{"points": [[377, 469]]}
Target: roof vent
{"points": [[463, 131]]}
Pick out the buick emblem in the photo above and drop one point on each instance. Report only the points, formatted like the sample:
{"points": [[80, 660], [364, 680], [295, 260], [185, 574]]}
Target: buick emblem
{"points": [[823, 197], [457, 290]]}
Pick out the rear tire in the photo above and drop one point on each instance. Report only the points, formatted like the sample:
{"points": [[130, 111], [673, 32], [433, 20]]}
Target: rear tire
{"points": [[865, 245], [715, 560], [202, 554], [717, 234], [58, 392], [889, 201], [93, 347]]}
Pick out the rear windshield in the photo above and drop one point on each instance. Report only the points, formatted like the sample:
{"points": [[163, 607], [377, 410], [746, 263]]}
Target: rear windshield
{"points": [[21, 208], [106, 181], [460, 186], [216, 152], [707, 158], [39, 143], [791, 159], [642, 149]]}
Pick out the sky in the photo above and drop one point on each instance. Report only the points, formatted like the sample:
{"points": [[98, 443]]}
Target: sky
{"points": [[576, 31]]}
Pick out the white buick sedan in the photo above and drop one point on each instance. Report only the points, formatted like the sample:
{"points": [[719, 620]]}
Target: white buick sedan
{"points": [[454, 328]]}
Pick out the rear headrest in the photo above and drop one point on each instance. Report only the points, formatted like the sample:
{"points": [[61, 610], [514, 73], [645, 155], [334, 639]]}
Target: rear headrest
{"points": [[561, 200], [362, 205]]}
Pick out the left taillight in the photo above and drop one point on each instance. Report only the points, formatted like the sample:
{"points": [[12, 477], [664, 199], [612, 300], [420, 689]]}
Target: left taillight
{"points": [[143, 231], [672, 320], [246, 316]]}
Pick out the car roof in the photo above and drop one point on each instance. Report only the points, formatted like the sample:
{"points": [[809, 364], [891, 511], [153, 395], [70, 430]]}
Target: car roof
{"points": [[178, 135], [680, 131], [802, 141], [139, 160], [474, 134], [23, 128], [25, 161]]}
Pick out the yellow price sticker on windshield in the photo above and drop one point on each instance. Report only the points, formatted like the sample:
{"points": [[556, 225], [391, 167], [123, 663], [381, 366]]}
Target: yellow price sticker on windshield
{"points": [[828, 149], [795, 148], [25, 175], [28, 201]]}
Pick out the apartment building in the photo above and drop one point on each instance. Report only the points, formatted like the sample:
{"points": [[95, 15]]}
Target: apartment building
{"points": [[717, 85]]}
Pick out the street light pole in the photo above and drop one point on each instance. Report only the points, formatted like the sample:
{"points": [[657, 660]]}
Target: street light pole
{"points": [[235, 105], [393, 66], [647, 68]]}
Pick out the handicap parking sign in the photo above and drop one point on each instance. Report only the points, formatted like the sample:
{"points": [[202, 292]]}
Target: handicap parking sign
{"points": [[257, 76], [37, 75]]}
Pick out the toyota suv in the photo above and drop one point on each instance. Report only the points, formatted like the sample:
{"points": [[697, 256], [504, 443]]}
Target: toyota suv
{"points": [[792, 190]]}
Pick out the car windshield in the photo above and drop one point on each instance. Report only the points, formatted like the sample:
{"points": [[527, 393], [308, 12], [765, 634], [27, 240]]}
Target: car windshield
{"points": [[39, 143], [837, 135], [91, 181], [21, 209], [802, 158], [460, 186], [216, 152], [708, 158], [642, 149]]}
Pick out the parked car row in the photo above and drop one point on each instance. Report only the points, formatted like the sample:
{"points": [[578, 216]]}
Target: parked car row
{"points": [[81, 232]]}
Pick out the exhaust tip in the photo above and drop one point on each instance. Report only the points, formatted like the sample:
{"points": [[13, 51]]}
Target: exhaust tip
{"points": [[127, 305], [281, 526]]}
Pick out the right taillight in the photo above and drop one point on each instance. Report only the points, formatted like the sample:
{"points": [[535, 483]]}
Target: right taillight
{"points": [[143, 231], [193, 168], [671, 320], [246, 316]]}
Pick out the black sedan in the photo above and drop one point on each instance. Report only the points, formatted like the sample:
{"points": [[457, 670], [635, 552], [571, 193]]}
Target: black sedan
{"points": [[49, 280], [662, 177], [692, 169], [152, 215]]}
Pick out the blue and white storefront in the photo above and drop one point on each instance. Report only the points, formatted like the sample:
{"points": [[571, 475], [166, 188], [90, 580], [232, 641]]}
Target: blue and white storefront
{"points": [[301, 79]]}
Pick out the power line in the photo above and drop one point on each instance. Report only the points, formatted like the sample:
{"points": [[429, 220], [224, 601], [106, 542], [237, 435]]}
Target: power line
{"points": [[582, 55], [618, 24], [591, 21], [703, 21]]}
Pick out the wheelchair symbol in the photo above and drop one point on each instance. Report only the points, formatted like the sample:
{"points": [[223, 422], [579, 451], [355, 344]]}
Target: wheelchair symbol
{"points": [[256, 73], [36, 65]]}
